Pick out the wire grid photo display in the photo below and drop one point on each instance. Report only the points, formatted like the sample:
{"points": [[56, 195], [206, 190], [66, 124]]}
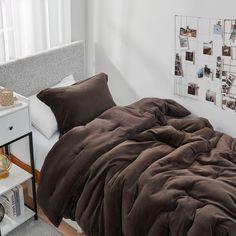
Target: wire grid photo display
{"points": [[205, 60]]}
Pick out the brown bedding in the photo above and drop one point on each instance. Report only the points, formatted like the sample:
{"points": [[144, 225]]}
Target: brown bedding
{"points": [[139, 170]]}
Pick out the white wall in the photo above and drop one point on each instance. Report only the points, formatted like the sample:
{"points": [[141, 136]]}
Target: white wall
{"points": [[133, 41], [77, 20]]}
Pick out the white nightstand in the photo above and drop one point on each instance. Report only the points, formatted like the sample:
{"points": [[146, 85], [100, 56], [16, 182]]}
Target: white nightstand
{"points": [[15, 124]]}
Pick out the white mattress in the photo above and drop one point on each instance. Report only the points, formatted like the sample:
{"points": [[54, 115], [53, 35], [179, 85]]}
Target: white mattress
{"points": [[42, 146]]}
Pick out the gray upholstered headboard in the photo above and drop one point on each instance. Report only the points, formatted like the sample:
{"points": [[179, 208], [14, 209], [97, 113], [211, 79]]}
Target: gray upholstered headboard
{"points": [[29, 75]]}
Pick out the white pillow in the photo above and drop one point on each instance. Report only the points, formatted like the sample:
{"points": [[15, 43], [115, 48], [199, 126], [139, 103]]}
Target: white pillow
{"points": [[42, 117]]}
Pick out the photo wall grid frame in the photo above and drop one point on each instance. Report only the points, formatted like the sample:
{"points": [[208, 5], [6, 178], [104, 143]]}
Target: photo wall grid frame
{"points": [[205, 60]]}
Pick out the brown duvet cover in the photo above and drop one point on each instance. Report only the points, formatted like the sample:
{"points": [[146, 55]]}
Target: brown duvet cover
{"points": [[139, 170]]}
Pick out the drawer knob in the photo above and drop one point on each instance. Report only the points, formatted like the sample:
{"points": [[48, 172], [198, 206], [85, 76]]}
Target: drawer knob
{"points": [[11, 128]]}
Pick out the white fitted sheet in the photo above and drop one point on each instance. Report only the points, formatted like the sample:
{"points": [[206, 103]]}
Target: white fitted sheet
{"points": [[42, 146]]}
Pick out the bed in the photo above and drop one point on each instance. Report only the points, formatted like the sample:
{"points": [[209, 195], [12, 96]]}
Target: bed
{"points": [[142, 169]]}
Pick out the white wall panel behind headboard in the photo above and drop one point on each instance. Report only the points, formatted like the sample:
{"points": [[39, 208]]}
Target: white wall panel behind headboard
{"points": [[29, 75]]}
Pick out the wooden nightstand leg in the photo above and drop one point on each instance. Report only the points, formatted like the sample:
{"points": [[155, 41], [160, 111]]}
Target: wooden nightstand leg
{"points": [[33, 174]]}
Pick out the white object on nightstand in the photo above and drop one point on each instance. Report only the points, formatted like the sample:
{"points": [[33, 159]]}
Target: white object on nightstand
{"points": [[15, 123]]}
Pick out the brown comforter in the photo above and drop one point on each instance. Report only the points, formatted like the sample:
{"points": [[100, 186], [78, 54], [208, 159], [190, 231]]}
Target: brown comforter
{"points": [[138, 170]]}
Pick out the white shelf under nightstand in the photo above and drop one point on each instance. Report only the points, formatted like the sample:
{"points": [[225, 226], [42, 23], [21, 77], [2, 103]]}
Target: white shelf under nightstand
{"points": [[16, 177], [8, 224]]}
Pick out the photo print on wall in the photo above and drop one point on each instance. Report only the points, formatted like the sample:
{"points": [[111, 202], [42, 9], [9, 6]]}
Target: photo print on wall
{"points": [[200, 73], [211, 96], [217, 28], [217, 73], [228, 102], [178, 65], [193, 89], [183, 41], [219, 62], [207, 72], [188, 32], [226, 51], [227, 83], [207, 48], [233, 32], [224, 75], [190, 56]]}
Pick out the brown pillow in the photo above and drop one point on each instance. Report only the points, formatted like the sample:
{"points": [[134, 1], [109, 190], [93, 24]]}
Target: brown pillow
{"points": [[80, 103]]}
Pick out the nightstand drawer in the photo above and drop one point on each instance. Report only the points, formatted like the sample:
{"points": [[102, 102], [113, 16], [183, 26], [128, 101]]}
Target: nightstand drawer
{"points": [[14, 125]]}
